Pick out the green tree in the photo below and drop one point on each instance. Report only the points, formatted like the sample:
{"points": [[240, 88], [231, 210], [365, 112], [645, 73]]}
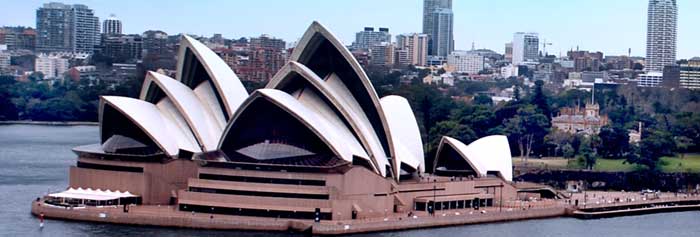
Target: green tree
{"points": [[614, 142], [558, 139], [652, 148], [8, 110], [539, 99], [568, 151], [516, 93], [527, 128], [482, 99], [587, 155], [682, 144]]}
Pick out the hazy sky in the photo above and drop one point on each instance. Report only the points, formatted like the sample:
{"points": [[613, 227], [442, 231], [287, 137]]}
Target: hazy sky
{"points": [[610, 26]]}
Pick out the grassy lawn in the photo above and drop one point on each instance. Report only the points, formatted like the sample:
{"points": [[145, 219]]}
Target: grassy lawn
{"points": [[690, 163], [613, 165]]}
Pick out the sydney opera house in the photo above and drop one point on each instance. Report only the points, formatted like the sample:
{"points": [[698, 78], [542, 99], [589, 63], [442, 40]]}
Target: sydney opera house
{"points": [[317, 144]]}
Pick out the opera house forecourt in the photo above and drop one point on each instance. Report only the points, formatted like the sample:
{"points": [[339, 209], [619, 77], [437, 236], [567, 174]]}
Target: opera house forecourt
{"points": [[315, 149]]}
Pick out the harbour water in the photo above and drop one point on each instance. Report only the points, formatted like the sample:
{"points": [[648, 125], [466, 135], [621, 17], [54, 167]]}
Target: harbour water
{"points": [[34, 160]]}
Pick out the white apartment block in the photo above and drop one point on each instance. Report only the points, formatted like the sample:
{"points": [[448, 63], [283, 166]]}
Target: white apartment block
{"points": [[466, 62], [52, 66]]}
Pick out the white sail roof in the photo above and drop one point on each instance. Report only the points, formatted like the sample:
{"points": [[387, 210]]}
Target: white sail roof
{"points": [[148, 118], [342, 100], [225, 81], [307, 52], [406, 139], [488, 154], [337, 140], [493, 154], [201, 120]]}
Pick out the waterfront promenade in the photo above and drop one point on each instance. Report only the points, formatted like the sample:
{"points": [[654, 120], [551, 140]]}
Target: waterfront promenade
{"points": [[511, 211], [168, 216]]}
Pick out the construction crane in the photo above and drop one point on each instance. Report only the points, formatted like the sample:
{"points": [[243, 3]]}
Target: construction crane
{"points": [[544, 46]]}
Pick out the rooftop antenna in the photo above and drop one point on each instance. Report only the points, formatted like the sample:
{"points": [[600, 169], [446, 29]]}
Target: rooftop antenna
{"points": [[544, 46], [629, 52], [472, 45]]}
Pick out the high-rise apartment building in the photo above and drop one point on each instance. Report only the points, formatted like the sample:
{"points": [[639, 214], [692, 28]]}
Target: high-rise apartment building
{"points": [[369, 37], [429, 6], [70, 28], [54, 27], [112, 26], [415, 47], [661, 34], [86, 29], [525, 47], [441, 39]]}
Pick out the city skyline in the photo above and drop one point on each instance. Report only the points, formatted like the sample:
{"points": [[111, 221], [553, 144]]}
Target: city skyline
{"points": [[474, 21]]}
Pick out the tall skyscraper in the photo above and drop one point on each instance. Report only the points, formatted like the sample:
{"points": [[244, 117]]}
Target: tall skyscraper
{"points": [[416, 46], [54, 27], [86, 29], [441, 39], [369, 37], [112, 26], [525, 47], [429, 6], [661, 34], [70, 28]]}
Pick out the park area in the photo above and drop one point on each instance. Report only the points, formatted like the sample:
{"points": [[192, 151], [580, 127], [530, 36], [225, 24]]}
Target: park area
{"points": [[690, 163]]}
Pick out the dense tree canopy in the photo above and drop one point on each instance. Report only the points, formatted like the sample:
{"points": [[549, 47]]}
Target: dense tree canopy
{"points": [[60, 100]]}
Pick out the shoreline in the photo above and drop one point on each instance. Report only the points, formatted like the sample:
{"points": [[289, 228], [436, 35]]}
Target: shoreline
{"points": [[169, 216], [49, 123]]}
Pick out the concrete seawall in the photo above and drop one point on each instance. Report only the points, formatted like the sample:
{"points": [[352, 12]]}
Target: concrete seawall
{"points": [[167, 216], [637, 211], [438, 221], [638, 208]]}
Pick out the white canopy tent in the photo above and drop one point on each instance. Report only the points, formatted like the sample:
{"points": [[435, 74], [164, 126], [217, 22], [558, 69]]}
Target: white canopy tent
{"points": [[94, 197]]}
